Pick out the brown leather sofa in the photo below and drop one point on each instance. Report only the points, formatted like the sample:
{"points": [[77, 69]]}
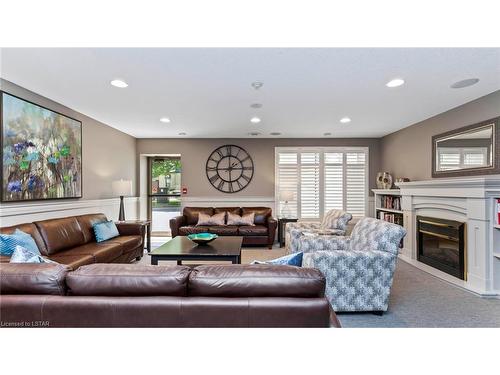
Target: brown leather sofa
{"points": [[116, 295], [261, 233], [71, 241]]}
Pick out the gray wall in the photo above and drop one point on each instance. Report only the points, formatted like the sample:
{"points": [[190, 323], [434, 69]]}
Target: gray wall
{"points": [[407, 152], [194, 154], [108, 154]]}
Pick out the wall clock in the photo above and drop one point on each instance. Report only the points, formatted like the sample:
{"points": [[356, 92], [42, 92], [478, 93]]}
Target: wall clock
{"points": [[229, 168]]}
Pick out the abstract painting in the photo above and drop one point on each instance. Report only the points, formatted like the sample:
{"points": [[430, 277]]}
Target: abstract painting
{"points": [[41, 152]]}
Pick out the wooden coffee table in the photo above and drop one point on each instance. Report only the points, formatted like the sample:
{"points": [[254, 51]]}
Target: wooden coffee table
{"points": [[227, 248]]}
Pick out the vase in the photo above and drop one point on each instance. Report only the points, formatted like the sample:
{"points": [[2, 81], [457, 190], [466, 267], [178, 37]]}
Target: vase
{"points": [[380, 184], [386, 180]]}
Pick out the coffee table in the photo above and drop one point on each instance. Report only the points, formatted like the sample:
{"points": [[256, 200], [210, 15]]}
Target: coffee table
{"points": [[227, 248]]}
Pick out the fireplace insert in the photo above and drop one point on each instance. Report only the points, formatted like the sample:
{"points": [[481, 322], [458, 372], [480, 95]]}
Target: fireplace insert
{"points": [[441, 244]]}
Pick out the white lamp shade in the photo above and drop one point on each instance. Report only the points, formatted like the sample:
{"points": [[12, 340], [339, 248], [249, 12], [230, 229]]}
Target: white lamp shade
{"points": [[122, 188], [286, 195]]}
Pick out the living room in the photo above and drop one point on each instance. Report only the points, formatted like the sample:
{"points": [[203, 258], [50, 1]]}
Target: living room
{"points": [[255, 185]]}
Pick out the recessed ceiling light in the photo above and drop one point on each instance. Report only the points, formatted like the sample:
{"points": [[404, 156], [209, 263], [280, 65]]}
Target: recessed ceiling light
{"points": [[166, 120], [464, 83], [254, 134], [255, 120], [327, 134], [119, 83], [275, 133], [395, 82], [345, 120], [257, 85], [256, 105], [182, 133]]}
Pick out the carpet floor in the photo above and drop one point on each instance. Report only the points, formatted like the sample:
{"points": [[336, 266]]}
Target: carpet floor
{"points": [[418, 299]]}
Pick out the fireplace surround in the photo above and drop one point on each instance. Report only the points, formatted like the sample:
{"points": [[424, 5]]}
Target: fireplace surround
{"points": [[441, 244]]}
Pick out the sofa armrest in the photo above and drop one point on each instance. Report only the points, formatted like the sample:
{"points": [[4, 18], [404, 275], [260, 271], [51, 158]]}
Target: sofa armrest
{"points": [[272, 224], [131, 229], [175, 224]]}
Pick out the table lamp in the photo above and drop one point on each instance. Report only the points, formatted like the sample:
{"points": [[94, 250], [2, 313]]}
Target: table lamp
{"points": [[122, 188], [286, 195]]}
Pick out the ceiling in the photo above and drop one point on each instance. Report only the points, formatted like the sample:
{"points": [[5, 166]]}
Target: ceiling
{"points": [[207, 92]]}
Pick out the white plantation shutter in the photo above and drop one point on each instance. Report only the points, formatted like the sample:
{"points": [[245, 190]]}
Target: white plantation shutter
{"points": [[355, 182], [309, 185], [457, 158], [322, 178]]}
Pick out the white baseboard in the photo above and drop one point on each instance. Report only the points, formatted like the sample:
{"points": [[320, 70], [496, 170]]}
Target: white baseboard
{"points": [[18, 213]]}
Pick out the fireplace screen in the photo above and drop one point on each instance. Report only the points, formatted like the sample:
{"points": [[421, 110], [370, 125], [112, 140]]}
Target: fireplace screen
{"points": [[441, 244]]}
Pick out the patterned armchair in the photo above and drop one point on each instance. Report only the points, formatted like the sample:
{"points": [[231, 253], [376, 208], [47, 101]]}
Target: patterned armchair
{"points": [[335, 222], [360, 270]]}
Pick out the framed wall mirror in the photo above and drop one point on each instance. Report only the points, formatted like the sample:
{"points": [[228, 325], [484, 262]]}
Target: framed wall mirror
{"points": [[469, 151]]}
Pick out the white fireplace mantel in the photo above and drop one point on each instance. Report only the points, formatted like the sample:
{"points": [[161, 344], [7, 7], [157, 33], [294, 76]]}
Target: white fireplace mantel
{"points": [[471, 200]]}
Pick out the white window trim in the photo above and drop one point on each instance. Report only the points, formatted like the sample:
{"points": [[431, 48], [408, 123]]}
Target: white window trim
{"points": [[322, 149]]}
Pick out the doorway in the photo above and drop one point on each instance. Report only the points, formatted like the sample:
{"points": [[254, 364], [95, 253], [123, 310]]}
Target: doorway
{"points": [[164, 192]]}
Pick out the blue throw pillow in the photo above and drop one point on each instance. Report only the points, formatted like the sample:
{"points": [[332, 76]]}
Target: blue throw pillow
{"points": [[23, 255], [104, 231], [8, 242], [289, 260]]}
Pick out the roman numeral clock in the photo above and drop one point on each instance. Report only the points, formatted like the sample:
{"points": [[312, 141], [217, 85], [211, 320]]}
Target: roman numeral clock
{"points": [[229, 169]]}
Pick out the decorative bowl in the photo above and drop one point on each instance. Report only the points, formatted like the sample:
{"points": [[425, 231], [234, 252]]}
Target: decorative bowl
{"points": [[202, 238]]}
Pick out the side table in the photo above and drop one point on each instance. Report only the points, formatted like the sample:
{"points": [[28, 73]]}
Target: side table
{"points": [[281, 229], [147, 225]]}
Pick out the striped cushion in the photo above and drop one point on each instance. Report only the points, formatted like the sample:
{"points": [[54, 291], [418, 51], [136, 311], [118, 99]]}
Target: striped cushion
{"points": [[8, 242], [336, 219]]}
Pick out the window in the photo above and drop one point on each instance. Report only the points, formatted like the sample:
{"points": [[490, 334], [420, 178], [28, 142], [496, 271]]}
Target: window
{"points": [[321, 179], [458, 158]]}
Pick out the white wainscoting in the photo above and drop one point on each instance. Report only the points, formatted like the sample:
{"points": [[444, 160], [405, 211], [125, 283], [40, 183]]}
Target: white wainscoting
{"points": [[17, 213]]}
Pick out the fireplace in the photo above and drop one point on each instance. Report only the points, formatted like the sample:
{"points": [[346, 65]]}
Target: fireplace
{"points": [[441, 244]]}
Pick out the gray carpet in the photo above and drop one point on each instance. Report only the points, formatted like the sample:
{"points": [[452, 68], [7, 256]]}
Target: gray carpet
{"points": [[419, 299]]}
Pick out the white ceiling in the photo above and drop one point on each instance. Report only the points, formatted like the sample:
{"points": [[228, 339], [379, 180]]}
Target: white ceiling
{"points": [[207, 92]]}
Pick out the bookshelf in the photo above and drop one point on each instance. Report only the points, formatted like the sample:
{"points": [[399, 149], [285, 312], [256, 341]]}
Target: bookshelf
{"points": [[388, 206]]}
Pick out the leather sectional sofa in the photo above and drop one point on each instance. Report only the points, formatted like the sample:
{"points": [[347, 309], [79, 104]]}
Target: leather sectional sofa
{"points": [[71, 241], [261, 233], [117, 295]]}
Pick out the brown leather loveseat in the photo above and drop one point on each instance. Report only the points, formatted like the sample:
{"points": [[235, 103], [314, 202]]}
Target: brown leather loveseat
{"points": [[118, 295], [71, 241], [261, 233]]}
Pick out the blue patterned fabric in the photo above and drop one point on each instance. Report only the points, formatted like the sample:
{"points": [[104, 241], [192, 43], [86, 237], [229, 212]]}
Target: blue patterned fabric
{"points": [[335, 223], [359, 272], [8, 242], [105, 230], [23, 255], [289, 260]]}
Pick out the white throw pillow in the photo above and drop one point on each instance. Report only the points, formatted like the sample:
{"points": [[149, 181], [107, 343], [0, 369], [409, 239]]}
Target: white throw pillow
{"points": [[217, 219], [233, 219]]}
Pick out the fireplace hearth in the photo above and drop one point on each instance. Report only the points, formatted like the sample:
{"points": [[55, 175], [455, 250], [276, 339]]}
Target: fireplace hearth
{"points": [[441, 244]]}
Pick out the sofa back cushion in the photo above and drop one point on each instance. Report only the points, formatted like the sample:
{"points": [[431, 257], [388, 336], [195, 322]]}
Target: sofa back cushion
{"points": [[128, 280], [87, 223], [231, 210], [255, 281], [30, 229], [33, 278], [60, 234], [373, 234], [261, 214], [191, 213]]}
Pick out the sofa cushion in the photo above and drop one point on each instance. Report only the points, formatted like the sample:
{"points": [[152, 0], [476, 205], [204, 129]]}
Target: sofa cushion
{"points": [[247, 219], [128, 243], [191, 213], [60, 234], [252, 230], [10, 242], [216, 219], [232, 210], [87, 223], [33, 278], [105, 231], [73, 261], [226, 230], [102, 252], [255, 281], [23, 255], [30, 229], [192, 229], [261, 214], [128, 280]]}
